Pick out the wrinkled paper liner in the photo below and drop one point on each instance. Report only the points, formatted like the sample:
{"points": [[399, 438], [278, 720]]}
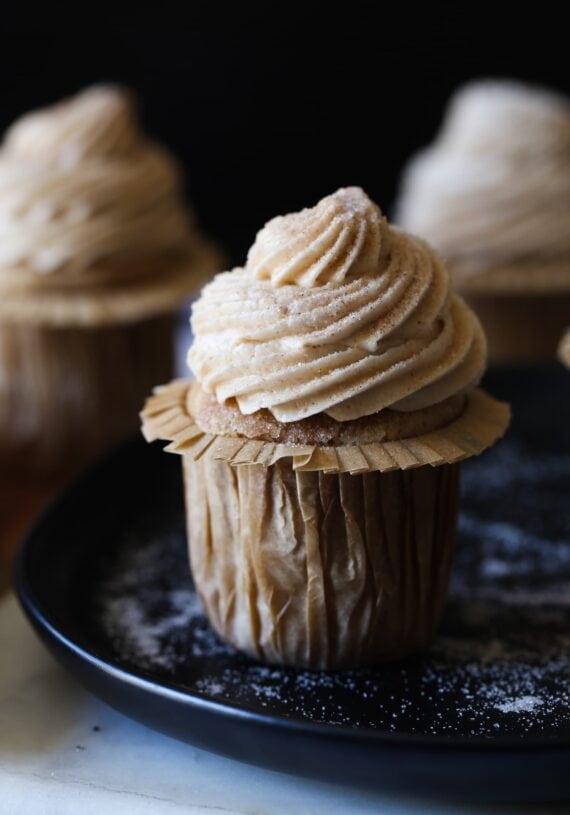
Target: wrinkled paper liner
{"points": [[484, 420], [321, 571], [120, 303], [322, 557]]}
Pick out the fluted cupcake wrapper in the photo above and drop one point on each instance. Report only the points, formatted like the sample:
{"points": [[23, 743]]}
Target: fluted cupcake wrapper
{"points": [[161, 291], [321, 571], [484, 420], [322, 557]]}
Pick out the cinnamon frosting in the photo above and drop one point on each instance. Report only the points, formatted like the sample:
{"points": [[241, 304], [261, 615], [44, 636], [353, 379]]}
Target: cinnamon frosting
{"points": [[493, 192], [335, 312], [82, 191]]}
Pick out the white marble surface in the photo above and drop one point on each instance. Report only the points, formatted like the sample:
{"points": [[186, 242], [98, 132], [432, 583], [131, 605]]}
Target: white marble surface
{"points": [[54, 762]]}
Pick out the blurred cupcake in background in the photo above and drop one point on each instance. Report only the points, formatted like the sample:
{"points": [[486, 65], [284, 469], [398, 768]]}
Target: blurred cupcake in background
{"points": [[97, 251], [492, 194]]}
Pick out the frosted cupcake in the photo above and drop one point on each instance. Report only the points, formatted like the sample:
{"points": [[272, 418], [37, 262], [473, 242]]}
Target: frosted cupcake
{"points": [[335, 394], [97, 250], [493, 196]]}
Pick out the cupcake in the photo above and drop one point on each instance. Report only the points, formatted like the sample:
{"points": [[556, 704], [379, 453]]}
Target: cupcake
{"points": [[97, 250], [493, 196], [335, 394]]}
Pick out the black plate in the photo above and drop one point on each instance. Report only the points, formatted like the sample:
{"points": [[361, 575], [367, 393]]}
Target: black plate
{"points": [[485, 715]]}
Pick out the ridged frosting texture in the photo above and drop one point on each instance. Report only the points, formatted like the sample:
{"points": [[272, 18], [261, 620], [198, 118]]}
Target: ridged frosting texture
{"points": [[494, 188], [80, 184], [336, 312], [337, 241]]}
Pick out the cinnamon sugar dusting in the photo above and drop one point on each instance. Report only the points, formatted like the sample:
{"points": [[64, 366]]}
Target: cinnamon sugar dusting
{"points": [[342, 238], [336, 313]]}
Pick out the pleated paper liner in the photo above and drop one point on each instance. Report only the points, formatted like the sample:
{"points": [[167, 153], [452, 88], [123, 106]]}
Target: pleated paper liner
{"points": [[484, 420], [161, 291], [321, 570], [322, 557]]}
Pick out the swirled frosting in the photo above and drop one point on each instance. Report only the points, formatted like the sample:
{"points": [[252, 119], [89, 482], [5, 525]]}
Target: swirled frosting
{"points": [[338, 240], [494, 188], [80, 185], [335, 312]]}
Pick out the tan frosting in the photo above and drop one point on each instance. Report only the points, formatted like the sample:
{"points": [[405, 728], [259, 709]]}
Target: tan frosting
{"points": [[81, 187], [493, 191], [337, 241], [335, 312]]}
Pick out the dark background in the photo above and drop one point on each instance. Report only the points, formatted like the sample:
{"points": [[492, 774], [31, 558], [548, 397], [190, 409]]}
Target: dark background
{"points": [[272, 105]]}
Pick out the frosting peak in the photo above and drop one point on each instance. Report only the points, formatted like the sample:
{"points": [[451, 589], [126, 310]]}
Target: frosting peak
{"points": [[101, 121], [492, 192], [81, 185], [506, 117], [339, 239], [335, 312]]}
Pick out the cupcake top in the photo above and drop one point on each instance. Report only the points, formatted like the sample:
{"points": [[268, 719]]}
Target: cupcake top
{"points": [[88, 201], [335, 312], [493, 191]]}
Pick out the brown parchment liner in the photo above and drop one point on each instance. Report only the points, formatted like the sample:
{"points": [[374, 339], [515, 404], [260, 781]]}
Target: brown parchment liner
{"points": [[322, 557], [68, 393], [166, 284], [321, 571], [484, 420]]}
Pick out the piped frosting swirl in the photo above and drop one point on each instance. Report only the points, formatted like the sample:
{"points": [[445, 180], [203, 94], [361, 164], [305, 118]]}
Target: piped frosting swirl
{"points": [[335, 312], [493, 191], [337, 241], [80, 186]]}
